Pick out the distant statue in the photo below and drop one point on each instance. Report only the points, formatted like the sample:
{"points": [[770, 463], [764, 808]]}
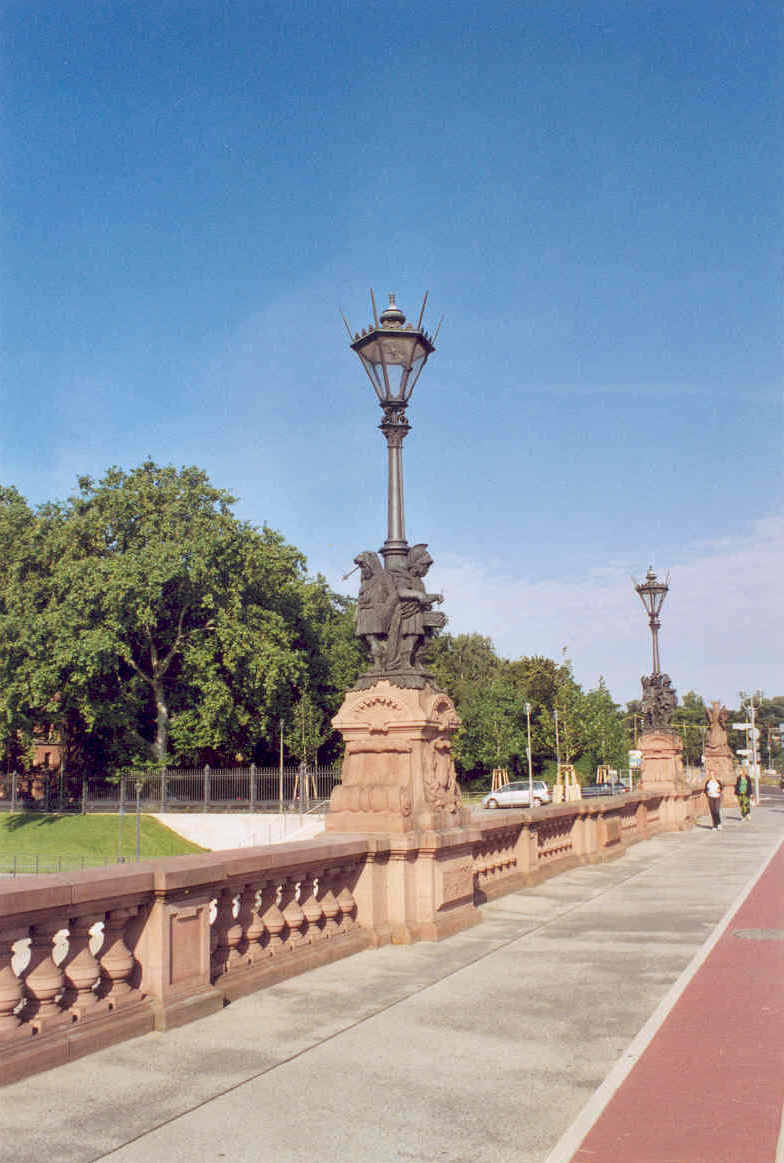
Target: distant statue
{"points": [[395, 615], [659, 701], [376, 605], [718, 717]]}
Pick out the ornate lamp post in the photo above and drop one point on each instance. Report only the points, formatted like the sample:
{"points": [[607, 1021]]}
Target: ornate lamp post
{"points": [[393, 354], [662, 765], [398, 771], [652, 594]]}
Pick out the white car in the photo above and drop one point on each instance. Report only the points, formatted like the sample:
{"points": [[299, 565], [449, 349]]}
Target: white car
{"points": [[515, 795]]}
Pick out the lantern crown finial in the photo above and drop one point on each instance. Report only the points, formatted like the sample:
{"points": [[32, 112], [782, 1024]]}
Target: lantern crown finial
{"points": [[392, 316]]}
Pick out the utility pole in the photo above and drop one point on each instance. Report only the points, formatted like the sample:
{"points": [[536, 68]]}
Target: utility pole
{"points": [[280, 772], [120, 821], [754, 759], [530, 763], [138, 819], [751, 732]]}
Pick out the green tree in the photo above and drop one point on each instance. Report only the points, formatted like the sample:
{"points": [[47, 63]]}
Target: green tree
{"points": [[493, 732], [53, 677], [569, 706], [538, 679], [308, 729], [143, 620], [603, 729], [461, 664]]}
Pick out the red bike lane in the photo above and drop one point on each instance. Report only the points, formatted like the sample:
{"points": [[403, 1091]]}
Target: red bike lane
{"points": [[709, 1087]]}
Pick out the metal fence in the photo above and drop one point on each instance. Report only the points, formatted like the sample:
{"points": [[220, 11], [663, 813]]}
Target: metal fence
{"points": [[188, 788], [38, 864]]}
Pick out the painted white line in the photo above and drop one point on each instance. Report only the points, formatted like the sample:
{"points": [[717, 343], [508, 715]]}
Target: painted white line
{"points": [[573, 1137], [780, 1146]]}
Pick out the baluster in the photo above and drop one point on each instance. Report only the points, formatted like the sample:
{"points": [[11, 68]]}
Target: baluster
{"points": [[295, 918], [11, 987], [257, 930], [329, 904], [81, 967], [115, 958], [274, 923], [311, 908], [224, 920], [43, 978], [236, 934], [346, 903]]}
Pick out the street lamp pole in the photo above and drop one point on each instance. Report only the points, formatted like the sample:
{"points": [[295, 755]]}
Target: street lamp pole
{"points": [[530, 762], [138, 819], [752, 738]]}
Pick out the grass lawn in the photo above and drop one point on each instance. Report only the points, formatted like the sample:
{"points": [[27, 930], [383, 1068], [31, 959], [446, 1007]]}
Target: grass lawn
{"points": [[91, 839]]}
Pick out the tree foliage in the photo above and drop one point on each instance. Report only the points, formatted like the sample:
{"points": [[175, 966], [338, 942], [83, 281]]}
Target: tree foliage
{"points": [[142, 620], [492, 693]]}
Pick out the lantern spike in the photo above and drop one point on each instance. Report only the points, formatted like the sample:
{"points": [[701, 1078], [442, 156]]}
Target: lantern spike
{"points": [[422, 312], [435, 337], [345, 320], [375, 312]]}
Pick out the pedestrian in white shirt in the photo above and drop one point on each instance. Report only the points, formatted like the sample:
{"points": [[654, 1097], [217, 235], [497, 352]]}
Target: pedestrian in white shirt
{"points": [[713, 793]]}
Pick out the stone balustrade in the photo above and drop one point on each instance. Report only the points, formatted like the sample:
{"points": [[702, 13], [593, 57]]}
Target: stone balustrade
{"points": [[92, 958]]}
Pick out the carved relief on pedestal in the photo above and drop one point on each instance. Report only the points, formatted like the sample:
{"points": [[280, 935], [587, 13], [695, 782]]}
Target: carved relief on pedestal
{"points": [[398, 764], [662, 763], [376, 777], [457, 884], [441, 788], [660, 745]]}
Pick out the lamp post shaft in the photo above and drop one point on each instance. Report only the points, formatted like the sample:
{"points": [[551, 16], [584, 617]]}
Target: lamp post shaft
{"points": [[395, 429], [655, 625], [396, 515]]}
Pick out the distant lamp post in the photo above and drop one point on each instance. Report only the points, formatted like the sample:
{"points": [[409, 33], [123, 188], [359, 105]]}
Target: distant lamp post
{"points": [[530, 760], [138, 819], [393, 354], [652, 594]]}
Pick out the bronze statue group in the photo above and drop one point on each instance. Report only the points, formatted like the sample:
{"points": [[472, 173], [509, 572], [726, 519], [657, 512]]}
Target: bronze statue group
{"points": [[394, 611]]}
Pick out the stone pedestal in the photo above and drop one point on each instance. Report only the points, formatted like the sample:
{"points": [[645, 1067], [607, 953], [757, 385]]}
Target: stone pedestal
{"points": [[662, 762], [399, 788], [719, 763], [398, 771]]}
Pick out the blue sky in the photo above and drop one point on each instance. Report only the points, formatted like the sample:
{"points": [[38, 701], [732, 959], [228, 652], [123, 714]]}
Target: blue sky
{"points": [[590, 192]]}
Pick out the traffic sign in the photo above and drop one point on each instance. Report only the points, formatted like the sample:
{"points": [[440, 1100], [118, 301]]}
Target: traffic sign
{"points": [[743, 751], [741, 726]]}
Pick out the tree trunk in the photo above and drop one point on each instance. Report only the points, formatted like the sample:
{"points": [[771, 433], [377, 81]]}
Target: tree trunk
{"points": [[161, 745]]}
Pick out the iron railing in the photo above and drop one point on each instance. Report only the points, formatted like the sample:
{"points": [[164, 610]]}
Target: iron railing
{"points": [[185, 789], [41, 863]]}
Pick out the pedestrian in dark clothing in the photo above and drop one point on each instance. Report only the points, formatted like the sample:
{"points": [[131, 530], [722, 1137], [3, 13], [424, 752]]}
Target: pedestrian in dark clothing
{"points": [[713, 794], [743, 792]]}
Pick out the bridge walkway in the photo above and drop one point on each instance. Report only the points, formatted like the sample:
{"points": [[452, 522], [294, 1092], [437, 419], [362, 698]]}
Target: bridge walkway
{"points": [[508, 1042]]}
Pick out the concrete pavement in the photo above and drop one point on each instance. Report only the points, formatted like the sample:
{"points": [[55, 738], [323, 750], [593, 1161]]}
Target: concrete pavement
{"points": [[482, 1048]]}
